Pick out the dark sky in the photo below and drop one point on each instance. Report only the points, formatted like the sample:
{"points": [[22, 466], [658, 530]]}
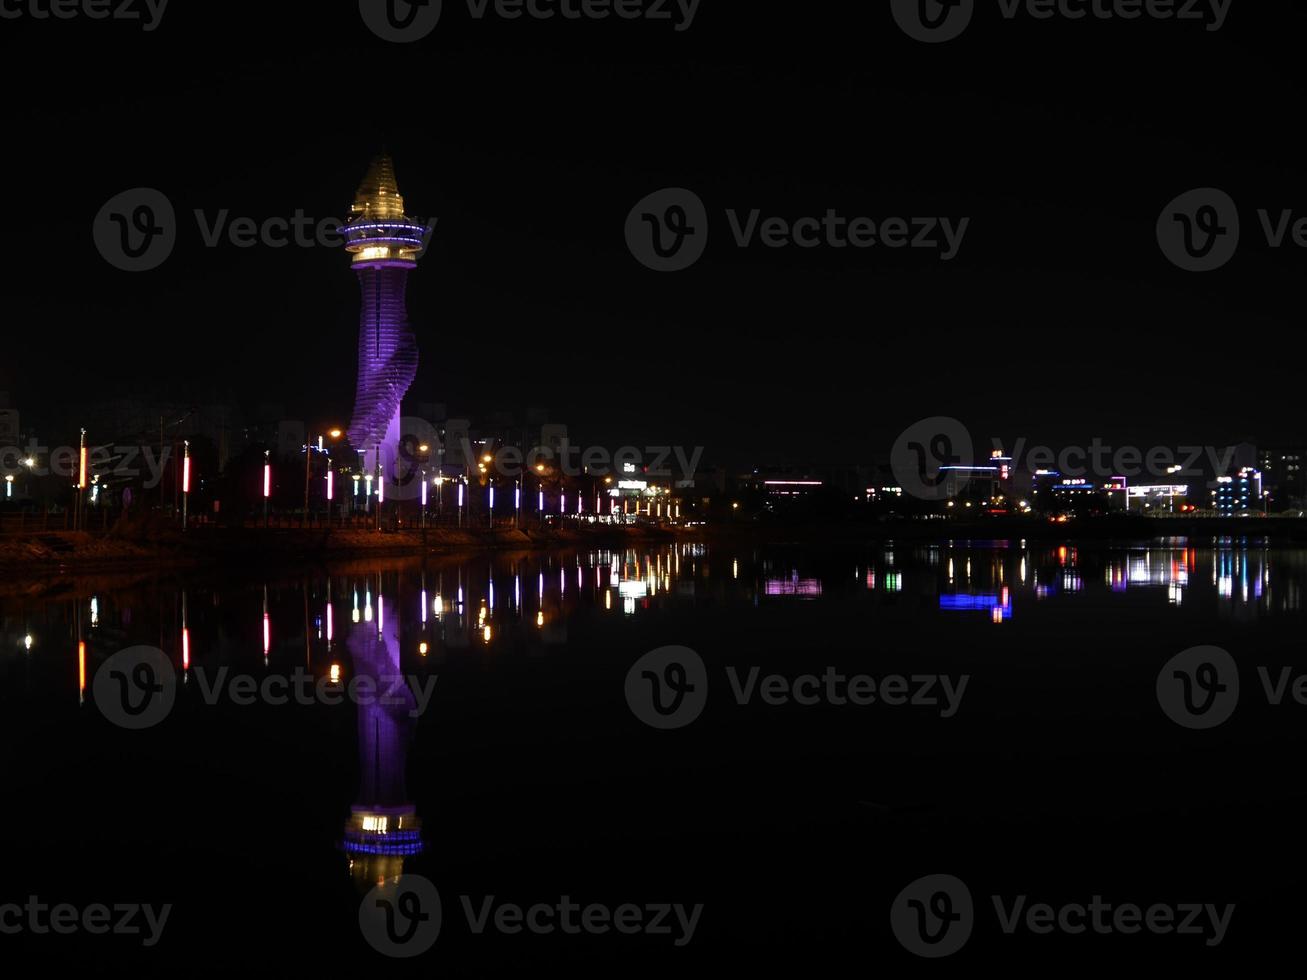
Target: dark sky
{"points": [[1060, 320]]}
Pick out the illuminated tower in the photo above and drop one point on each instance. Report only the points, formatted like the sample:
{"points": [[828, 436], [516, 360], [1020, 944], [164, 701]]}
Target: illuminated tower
{"points": [[383, 826], [385, 243]]}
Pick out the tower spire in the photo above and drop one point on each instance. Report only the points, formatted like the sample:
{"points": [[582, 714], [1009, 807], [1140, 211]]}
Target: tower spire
{"points": [[378, 196]]}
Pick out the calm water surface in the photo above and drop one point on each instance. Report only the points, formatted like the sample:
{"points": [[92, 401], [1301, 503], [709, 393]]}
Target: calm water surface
{"points": [[510, 763]]}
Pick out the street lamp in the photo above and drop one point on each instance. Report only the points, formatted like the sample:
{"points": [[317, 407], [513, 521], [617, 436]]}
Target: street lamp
{"points": [[186, 481], [308, 459], [81, 480]]}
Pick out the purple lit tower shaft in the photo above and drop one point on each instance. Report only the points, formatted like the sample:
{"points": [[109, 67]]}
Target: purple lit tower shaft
{"points": [[383, 827], [388, 363], [384, 729], [386, 244]]}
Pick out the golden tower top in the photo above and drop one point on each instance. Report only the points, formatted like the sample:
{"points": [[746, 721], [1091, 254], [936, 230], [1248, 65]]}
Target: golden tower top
{"points": [[378, 197]]}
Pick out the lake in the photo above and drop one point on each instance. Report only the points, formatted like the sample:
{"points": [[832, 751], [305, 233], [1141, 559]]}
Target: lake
{"points": [[827, 727]]}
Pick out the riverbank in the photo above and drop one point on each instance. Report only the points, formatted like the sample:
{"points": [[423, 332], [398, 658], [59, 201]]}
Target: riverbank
{"points": [[153, 546]]}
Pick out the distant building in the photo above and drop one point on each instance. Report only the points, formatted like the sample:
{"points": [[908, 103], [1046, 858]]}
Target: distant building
{"points": [[1157, 498], [456, 442], [1238, 494], [290, 438], [1284, 473], [554, 437], [10, 432]]}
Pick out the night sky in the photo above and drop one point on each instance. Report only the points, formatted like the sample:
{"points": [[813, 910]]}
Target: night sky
{"points": [[1060, 320]]}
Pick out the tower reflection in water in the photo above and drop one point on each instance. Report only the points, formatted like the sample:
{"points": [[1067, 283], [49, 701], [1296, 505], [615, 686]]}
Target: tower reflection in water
{"points": [[383, 827]]}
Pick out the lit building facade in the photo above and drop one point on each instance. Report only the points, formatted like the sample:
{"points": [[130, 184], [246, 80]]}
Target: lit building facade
{"points": [[1238, 494], [386, 245]]}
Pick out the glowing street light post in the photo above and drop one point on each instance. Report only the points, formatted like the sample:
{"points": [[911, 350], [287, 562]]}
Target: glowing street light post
{"points": [[186, 482], [267, 483], [81, 481], [422, 517]]}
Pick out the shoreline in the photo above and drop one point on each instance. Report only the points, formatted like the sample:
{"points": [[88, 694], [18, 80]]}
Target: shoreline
{"points": [[153, 548]]}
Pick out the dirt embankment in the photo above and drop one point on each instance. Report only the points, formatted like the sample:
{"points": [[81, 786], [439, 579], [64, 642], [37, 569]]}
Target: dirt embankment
{"points": [[155, 543]]}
